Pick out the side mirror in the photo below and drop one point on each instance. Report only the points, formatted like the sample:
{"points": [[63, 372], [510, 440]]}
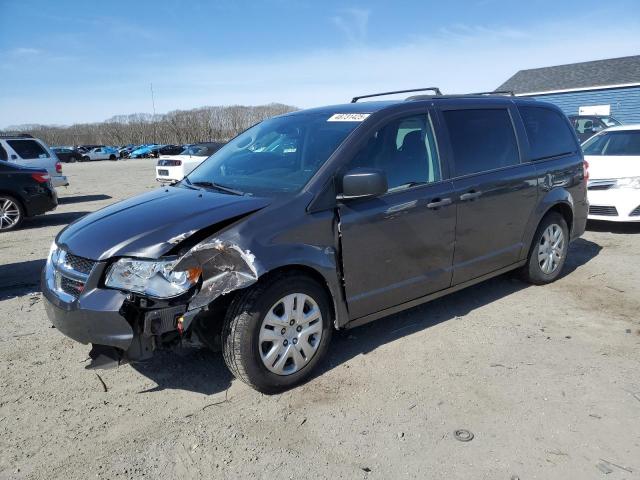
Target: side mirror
{"points": [[362, 183]]}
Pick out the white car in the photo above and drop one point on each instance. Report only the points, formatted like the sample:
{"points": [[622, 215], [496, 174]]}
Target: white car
{"points": [[101, 153], [613, 191], [173, 168], [27, 151]]}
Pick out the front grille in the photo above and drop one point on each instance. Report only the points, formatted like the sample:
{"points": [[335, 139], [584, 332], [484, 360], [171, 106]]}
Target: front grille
{"points": [[603, 210], [71, 287], [79, 264], [635, 212], [67, 274]]}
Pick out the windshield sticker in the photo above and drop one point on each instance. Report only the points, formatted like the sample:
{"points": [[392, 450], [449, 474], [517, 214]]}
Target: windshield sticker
{"points": [[348, 117]]}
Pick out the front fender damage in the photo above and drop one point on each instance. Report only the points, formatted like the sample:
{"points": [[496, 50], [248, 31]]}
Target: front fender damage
{"points": [[225, 267]]}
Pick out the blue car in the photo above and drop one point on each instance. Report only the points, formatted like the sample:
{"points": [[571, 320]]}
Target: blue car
{"points": [[144, 151]]}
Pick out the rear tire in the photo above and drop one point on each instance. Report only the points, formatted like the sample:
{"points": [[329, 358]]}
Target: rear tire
{"points": [[113, 157], [11, 213], [277, 331], [548, 250]]}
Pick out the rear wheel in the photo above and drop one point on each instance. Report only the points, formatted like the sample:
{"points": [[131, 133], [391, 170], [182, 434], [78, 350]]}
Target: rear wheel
{"points": [[276, 332], [112, 157], [11, 213], [548, 250]]}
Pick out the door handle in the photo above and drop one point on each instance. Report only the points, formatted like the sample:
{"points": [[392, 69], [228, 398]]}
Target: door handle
{"points": [[472, 195], [437, 203]]}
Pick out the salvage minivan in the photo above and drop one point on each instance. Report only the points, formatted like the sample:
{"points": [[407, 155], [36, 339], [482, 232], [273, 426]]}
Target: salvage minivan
{"points": [[319, 219]]}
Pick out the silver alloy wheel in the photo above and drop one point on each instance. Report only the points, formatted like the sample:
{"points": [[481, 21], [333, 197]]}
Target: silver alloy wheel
{"points": [[290, 334], [551, 248], [9, 213]]}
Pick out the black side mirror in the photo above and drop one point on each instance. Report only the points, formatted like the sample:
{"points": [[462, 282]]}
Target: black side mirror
{"points": [[361, 183]]}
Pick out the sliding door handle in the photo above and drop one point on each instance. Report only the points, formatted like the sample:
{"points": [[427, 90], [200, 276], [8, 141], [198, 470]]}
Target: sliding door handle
{"points": [[437, 203], [470, 196]]}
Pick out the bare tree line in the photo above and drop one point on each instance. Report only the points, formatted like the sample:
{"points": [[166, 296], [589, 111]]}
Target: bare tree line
{"points": [[218, 123]]}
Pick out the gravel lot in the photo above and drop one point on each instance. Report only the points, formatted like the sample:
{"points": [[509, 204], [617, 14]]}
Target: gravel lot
{"points": [[547, 378]]}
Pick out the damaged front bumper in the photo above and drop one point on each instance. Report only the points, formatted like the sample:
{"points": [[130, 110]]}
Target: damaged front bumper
{"points": [[129, 327]]}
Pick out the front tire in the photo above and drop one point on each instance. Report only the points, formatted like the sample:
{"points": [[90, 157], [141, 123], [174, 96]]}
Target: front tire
{"points": [[113, 157], [548, 250], [276, 331]]}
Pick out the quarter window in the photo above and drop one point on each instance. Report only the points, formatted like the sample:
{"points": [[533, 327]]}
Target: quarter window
{"points": [[28, 149], [3, 153], [405, 149], [549, 133], [481, 140]]}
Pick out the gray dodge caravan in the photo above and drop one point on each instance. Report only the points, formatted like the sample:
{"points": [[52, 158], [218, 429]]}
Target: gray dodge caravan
{"points": [[321, 219]]}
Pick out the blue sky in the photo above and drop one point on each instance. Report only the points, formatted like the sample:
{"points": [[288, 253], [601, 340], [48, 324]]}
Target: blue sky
{"points": [[65, 61]]}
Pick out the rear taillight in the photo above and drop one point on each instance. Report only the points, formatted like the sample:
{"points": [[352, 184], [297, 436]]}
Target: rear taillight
{"points": [[41, 177], [585, 170], [58, 167]]}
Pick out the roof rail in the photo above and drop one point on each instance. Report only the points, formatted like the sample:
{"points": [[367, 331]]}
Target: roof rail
{"points": [[495, 92], [436, 90]]}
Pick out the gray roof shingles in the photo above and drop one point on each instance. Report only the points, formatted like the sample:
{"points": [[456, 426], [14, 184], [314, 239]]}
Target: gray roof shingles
{"points": [[598, 73]]}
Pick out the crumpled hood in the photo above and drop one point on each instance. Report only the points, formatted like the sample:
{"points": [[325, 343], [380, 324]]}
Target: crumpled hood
{"points": [[150, 224]]}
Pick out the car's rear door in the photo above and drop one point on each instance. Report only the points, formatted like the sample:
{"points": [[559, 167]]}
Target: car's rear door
{"points": [[399, 246], [495, 192]]}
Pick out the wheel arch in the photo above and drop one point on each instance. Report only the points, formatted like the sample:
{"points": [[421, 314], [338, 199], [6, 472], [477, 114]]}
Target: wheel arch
{"points": [[17, 197], [314, 274], [557, 200]]}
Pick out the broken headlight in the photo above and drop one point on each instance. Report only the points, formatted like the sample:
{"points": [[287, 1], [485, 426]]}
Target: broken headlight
{"points": [[156, 278]]}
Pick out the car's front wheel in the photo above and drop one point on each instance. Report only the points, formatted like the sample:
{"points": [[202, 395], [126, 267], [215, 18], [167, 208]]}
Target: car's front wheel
{"points": [[548, 250], [276, 331]]}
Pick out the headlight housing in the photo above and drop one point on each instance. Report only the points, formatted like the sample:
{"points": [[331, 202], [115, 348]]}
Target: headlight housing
{"points": [[156, 278], [628, 182]]}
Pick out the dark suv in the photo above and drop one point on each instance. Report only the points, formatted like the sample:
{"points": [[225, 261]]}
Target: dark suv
{"points": [[321, 219]]}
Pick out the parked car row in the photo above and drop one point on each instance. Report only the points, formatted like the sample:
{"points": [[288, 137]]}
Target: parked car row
{"points": [[86, 153]]}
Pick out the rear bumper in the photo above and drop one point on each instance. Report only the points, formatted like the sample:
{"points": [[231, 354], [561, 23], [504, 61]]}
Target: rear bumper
{"points": [[59, 181], [39, 200], [169, 174]]}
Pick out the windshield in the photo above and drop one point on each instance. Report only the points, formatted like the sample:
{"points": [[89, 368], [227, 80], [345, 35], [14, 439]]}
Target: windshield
{"points": [[622, 142], [277, 156], [197, 151], [610, 121]]}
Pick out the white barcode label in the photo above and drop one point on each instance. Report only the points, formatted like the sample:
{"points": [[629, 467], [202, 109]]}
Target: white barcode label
{"points": [[348, 117]]}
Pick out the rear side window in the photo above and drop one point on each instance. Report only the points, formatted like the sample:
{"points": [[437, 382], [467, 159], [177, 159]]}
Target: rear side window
{"points": [[28, 149], [481, 140], [3, 153], [624, 142], [549, 133]]}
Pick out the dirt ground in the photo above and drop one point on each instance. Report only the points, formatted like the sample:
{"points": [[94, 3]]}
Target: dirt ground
{"points": [[546, 378]]}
